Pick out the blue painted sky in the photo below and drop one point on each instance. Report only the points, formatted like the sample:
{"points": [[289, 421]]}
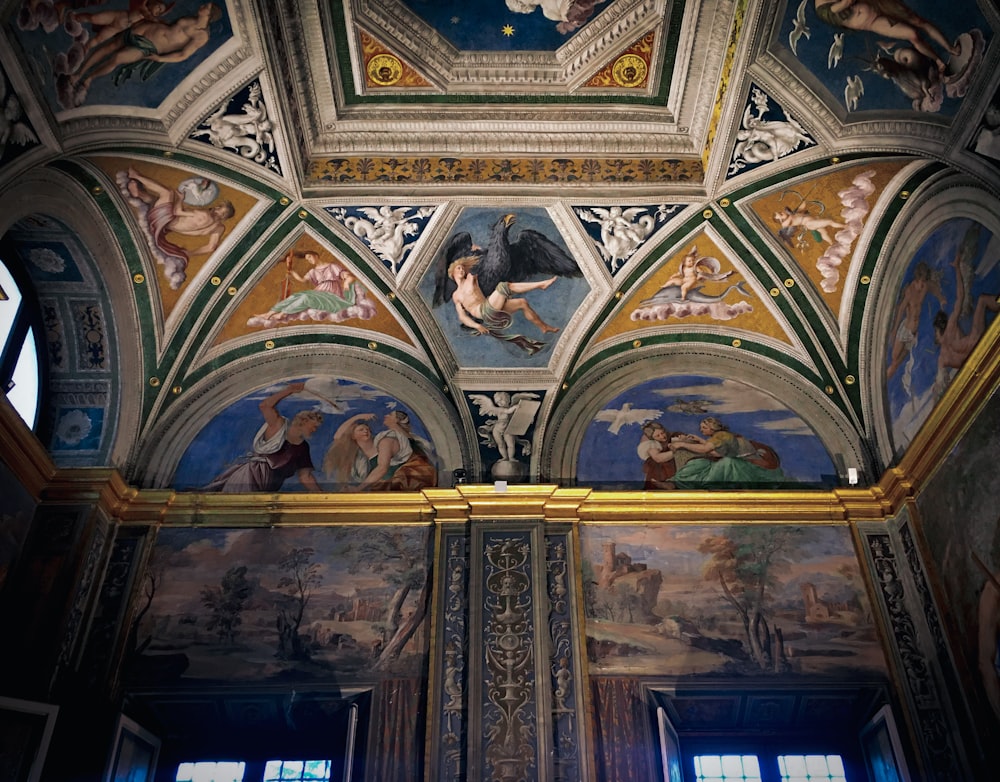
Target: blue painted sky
{"points": [[228, 437], [479, 26], [556, 305], [909, 409], [42, 48], [860, 48], [611, 458]]}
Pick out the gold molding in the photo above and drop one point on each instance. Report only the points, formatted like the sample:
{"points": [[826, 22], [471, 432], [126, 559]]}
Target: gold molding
{"points": [[22, 452], [125, 504]]}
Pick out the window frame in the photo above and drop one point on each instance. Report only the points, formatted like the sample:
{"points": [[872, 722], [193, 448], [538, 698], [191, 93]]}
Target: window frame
{"points": [[768, 748], [27, 323]]}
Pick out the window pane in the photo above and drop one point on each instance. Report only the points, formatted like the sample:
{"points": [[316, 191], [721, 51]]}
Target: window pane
{"points": [[9, 303], [24, 395], [811, 768], [727, 768], [211, 771], [297, 771]]}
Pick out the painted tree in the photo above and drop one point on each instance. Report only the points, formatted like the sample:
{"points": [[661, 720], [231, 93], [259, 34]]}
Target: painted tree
{"points": [[746, 564], [401, 558], [226, 602], [302, 577], [852, 575]]}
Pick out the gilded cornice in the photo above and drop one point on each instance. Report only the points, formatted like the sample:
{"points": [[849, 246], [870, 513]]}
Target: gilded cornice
{"points": [[30, 464], [21, 451]]}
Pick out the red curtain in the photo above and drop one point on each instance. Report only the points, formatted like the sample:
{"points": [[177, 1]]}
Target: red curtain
{"points": [[398, 726], [623, 737]]}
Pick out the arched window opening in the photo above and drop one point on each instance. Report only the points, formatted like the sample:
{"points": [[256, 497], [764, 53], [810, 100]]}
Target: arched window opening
{"points": [[20, 368]]}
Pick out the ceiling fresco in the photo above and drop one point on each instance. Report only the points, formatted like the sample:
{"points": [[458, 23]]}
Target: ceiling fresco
{"points": [[508, 25], [505, 221], [132, 56], [949, 294], [911, 56], [654, 435]]}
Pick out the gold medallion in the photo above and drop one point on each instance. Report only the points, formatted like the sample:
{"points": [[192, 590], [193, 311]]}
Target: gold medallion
{"points": [[384, 70], [629, 70]]}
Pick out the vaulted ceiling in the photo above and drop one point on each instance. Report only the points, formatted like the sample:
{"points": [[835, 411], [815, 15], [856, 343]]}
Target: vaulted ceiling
{"points": [[800, 167]]}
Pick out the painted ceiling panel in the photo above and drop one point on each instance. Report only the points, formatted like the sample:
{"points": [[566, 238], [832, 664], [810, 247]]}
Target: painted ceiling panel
{"points": [[701, 284], [313, 287], [817, 220], [710, 188]]}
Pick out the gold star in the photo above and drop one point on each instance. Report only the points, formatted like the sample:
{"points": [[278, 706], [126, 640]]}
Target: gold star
{"points": [[508, 30]]}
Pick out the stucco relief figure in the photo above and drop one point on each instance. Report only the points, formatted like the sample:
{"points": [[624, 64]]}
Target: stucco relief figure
{"points": [[762, 140], [333, 297], [389, 232], [508, 418], [249, 134], [163, 210], [279, 451], [394, 459], [622, 231], [988, 137], [683, 294], [14, 128]]}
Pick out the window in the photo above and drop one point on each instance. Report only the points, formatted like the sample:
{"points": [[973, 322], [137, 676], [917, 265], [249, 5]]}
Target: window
{"points": [[19, 367], [811, 768], [297, 771], [753, 768], [726, 768], [211, 771], [239, 771]]}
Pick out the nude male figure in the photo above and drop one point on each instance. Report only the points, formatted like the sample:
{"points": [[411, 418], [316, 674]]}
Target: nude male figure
{"points": [[165, 202], [956, 345], [480, 313], [151, 40], [907, 318], [800, 217], [106, 24], [695, 268]]}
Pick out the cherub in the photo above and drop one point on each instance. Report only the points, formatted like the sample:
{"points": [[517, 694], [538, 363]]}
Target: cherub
{"points": [[498, 432], [694, 269], [790, 220]]}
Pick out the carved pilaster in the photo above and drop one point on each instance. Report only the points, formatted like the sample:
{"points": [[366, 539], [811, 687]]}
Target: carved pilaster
{"points": [[508, 697], [509, 700], [563, 660], [935, 733], [448, 759]]}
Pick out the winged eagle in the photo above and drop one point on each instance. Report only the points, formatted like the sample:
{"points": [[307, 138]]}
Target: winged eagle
{"points": [[502, 260]]}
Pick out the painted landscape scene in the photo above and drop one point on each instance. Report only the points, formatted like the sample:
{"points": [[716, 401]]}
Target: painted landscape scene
{"points": [[282, 604], [732, 601]]}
